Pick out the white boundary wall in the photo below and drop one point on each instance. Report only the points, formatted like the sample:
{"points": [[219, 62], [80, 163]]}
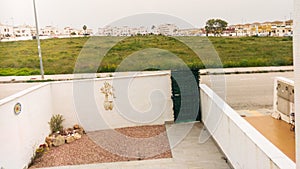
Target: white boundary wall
{"points": [[79, 102], [21, 134], [83, 101], [242, 144]]}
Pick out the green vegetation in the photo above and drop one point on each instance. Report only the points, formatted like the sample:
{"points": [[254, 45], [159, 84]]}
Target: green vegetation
{"points": [[21, 58], [254, 51], [56, 123], [149, 53], [60, 55], [215, 26]]}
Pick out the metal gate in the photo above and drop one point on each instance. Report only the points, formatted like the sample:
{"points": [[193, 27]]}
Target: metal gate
{"points": [[185, 95]]}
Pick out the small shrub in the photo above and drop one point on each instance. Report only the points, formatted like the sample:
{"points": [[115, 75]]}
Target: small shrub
{"points": [[56, 123]]}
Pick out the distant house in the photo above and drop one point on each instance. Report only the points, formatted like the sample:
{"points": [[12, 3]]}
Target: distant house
{"points": [[154, 30], [68, 31], [275, 28], [190, 32], [6, 31], [242, 29], [282, 28], [229, 31], [89, 31], [139, 31], [122, 31], [107, 31], [50, 31], [24, 31], [168, 29]]}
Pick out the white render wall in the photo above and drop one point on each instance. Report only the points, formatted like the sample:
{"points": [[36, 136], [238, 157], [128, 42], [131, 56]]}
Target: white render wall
{"points": [[21, 134], [242, 144], [80, 102]]}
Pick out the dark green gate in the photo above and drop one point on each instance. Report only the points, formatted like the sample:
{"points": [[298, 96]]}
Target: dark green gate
{"points": [[185, 95]]}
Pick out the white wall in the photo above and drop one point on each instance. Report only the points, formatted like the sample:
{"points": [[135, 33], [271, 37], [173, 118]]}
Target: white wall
{"points": [[142, 99], [21, 134], [242, 144], [139, 100]]}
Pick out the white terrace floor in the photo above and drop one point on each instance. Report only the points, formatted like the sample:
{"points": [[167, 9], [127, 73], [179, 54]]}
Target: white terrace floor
{"points": [[188, 154]]}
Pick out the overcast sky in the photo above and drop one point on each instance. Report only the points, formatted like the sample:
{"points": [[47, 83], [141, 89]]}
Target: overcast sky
{"points": [[99, 13]]}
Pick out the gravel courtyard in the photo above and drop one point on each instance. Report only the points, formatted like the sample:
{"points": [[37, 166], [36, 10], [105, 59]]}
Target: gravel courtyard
{"points": [[123, 144]]}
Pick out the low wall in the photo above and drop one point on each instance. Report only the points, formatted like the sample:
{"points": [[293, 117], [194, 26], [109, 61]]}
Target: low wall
{"points": [[242, 144], [142, 99], [22, 133]]}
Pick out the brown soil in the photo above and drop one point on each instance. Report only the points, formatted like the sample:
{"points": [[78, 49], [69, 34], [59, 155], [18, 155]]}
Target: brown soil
{"points": [[123, 144]]}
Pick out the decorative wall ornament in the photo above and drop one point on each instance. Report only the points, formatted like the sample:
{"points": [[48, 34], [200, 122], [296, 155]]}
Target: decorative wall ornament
{"points": [[108, 92], [17, 108]]}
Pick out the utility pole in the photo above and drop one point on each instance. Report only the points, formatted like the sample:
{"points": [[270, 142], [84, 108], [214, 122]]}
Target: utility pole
{"points": [[38, 41]]}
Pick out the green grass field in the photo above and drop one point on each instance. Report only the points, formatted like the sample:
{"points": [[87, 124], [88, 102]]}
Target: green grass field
{"points": [[60, 56]]}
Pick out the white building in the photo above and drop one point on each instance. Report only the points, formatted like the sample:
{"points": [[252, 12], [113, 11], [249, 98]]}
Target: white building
{"points": [[139, 31], [164, 29], [68, 31], [24, 31], [50, 31], [106, 31], [6, 31], [168, 29], [154, 30], [122, 31], [89, 32], [189, 32]]}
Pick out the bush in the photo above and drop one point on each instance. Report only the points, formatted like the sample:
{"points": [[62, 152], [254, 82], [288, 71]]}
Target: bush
{"points": [[56, 123]]}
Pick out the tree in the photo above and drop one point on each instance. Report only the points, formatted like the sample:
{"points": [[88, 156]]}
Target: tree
{"points": [[215, 26], [84, 28]]}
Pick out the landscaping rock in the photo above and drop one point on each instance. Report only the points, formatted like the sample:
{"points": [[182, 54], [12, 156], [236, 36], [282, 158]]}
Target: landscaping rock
{"points": [[76, 126], [59, 140], [70, 139], [78, 129], [67, 131], [77, 136], [49, 141]]}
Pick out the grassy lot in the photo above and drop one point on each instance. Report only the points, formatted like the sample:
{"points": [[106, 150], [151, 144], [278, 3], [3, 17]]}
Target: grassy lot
{"points": [[60, 56], [254, 51]]}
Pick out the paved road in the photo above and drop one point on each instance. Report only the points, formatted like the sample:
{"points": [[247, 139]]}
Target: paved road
{"points": [[247, 91], [8, 89]]}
